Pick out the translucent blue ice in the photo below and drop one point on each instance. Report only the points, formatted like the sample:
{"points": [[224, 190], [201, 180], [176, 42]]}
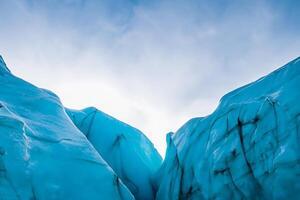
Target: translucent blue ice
{"points": [[42, 153], [130, 154], [249, 148]]}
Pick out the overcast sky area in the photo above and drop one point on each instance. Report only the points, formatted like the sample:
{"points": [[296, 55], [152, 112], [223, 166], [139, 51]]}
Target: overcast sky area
{"points": [[152, 64]]}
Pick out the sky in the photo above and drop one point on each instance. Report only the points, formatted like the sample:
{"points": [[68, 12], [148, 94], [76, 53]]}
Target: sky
{"points": [[152, 64]]}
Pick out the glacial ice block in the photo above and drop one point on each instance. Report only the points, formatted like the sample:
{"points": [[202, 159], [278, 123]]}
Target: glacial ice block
{"points": [[126, 149], [42, 153], [249, 148]]}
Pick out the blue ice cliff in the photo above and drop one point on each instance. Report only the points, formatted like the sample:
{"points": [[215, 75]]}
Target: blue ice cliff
{"points": [[249, 148], [130, 154], [43, 155]]}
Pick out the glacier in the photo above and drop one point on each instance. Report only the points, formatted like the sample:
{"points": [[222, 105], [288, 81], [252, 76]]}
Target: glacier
{"points": [[248, 148], [43, 155], [130, 154]]}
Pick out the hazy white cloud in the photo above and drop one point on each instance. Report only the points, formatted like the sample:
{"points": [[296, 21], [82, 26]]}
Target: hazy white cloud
{"points": [[152, 64]]}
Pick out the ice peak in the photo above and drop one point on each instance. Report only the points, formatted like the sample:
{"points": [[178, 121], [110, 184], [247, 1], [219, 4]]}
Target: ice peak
{"points": [[3, 67]]}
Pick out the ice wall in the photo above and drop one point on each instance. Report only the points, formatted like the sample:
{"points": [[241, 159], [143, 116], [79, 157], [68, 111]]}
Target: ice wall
{"points": [[249, 148], [126, 149], [42, 153]]}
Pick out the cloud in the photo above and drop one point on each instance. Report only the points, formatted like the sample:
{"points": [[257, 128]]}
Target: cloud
{"points": [[152, 64]]}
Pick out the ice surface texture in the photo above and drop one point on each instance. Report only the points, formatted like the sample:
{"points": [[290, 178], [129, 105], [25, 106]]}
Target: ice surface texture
{"points": [[247, 149], [130, 154], [42, 153]]}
